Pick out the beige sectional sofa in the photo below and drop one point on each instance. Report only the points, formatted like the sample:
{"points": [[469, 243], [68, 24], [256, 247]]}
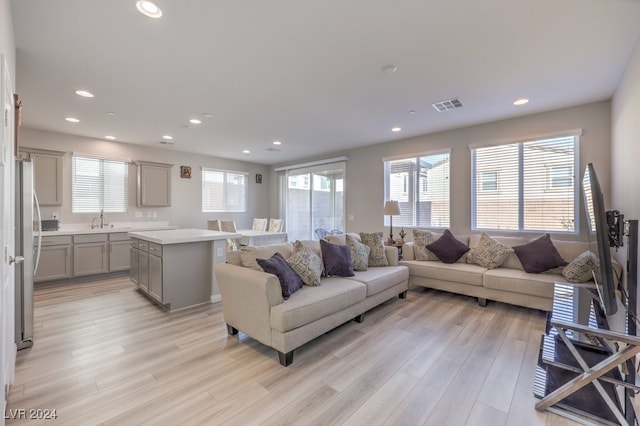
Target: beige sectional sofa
{"points": [[252, 300], [508, 283]]}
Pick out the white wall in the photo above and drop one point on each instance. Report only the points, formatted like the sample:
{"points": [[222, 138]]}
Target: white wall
{"points": [[365, 174], [625, 145], [185, 210], [7, 41]]}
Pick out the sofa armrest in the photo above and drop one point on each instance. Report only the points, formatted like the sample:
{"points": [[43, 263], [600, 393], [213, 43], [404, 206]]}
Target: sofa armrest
{"points": [[247, 297], [407, 251], [392, 255]]}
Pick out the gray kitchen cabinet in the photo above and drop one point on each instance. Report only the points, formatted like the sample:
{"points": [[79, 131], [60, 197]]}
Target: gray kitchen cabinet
{"points": [[143, 266], [55, 258], [155, 277], [119, 253], [47, 179], [90, 254], [154, 184], [134, 260]]}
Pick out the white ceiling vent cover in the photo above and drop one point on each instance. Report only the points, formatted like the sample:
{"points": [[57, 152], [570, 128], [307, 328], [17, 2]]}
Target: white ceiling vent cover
{"points": [[447, 105]]}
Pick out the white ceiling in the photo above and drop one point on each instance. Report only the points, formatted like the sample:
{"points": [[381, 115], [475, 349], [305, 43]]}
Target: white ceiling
{"points": [[309, 73]]}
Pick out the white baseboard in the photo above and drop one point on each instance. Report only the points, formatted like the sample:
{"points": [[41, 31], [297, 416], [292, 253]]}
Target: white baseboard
{"points": [[215, 298]]}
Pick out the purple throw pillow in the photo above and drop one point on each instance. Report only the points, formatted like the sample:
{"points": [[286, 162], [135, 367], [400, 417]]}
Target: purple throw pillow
{"points": [[539, 255], [336, 259], [290, 282], [448, 248]]}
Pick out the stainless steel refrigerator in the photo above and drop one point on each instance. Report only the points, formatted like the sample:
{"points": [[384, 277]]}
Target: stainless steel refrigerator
{"points": [[26, 203]]}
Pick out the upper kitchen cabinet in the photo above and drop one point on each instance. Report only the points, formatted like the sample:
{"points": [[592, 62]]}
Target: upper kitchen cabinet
{"points": [[47, 177], [154, 184]]}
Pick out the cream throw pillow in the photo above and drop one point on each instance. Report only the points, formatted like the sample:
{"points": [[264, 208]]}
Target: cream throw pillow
{"points": [[421, 239], [306, 264], [359, 254], [579, 270], [377, 255], [489, 253]]}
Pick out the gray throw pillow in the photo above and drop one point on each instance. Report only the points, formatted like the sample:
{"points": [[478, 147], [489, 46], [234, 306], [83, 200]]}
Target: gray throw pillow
{"points": [[489, 253], [581, 269], [377, 255], [421, 239], [306, 264], [359, 254]]}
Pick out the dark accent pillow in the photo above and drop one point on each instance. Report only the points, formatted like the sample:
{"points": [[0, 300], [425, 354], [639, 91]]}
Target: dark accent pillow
{"points": [[448, 248], [539, 255], [337, 259], [290, 282]]}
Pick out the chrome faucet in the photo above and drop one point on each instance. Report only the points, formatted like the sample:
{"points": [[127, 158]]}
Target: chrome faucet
{"points": [[103, 221]]}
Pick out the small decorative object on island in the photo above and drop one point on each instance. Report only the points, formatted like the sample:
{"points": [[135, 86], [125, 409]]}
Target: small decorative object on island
{"points": [[391, 208], [402, 234]]}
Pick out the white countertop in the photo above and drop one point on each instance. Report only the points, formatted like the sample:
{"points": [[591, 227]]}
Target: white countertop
{"points": [[182, 235], [78, 229]]}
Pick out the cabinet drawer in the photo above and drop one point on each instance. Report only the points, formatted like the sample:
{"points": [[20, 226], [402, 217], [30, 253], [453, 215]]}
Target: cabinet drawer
{"points": [[90, 238], [155, 249], [143, 245], [118, 236], [56, 240]]}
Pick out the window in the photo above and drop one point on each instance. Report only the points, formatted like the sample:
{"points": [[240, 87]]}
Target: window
{"points": [[99, 184], [421, 186], [536, 182], [489, 181], [224, 191]]}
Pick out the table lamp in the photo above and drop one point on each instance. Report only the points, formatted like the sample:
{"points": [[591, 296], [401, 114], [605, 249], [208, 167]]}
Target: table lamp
{"points": [[391, 209]]}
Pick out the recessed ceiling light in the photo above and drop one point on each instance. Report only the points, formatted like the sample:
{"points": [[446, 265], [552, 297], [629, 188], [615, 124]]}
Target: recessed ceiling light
{"points": [[277, 143], [246, 151], [396, 129], [111, 138], [84, 93], [72, 119], [149, 9], [111, 113], [167, 137], [521, 101], [412, 111], [195, 121], [389, 69]]}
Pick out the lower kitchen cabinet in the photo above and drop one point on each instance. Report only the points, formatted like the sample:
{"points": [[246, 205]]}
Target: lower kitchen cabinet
{"points": [[90, 254], [119, 253], [55, 259], [155, 277]]}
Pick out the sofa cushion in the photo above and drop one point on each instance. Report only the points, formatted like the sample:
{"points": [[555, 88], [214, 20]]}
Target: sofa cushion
{"points": [[341, 238], [539, 255], [448, 248], [336, 259], [421, 239], [377, 256], [359, 253], [581, 269], [290, 282], [380, 278], [519, 281], [465, 273], [249, 254], [489, 253], [312, 303], [306, 264]]}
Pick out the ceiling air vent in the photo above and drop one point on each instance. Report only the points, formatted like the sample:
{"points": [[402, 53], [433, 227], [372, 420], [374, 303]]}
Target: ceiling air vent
{"points": [[447, 105]]}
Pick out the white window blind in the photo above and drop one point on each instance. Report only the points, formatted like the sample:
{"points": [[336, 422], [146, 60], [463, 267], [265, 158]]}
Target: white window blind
{"points": [[224, 191], [421, 186], [99, 184], [526, 186]]}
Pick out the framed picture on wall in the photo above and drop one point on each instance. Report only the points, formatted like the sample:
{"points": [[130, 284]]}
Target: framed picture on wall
{"points": [[258, 178], [185, 172]]}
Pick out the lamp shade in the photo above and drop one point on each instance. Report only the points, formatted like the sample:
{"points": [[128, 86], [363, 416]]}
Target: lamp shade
{"points": [[391, 208]]}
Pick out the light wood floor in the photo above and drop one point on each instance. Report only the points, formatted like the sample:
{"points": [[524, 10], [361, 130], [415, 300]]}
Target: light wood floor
{"points": [[103, 354]]}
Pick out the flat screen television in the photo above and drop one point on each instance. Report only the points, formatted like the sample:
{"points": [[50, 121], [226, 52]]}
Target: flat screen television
{"points": [[597, 221]]}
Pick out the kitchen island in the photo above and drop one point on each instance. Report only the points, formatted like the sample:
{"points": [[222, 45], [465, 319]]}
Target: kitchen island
{"points": [[175, 267]]}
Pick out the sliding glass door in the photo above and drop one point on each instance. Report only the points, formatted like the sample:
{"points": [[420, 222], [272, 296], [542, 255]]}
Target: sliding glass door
{"points": [[314, 201]]}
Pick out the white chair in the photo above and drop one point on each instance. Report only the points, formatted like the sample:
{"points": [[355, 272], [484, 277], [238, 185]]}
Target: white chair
{"points": [[230, 226], [213, 225], [259, 224], [275, 225]]}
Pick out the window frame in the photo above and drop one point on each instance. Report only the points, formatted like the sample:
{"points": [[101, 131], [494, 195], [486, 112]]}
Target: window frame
{"points": [[121, 207], [412, 190], [575, 134], [225, 189]]}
